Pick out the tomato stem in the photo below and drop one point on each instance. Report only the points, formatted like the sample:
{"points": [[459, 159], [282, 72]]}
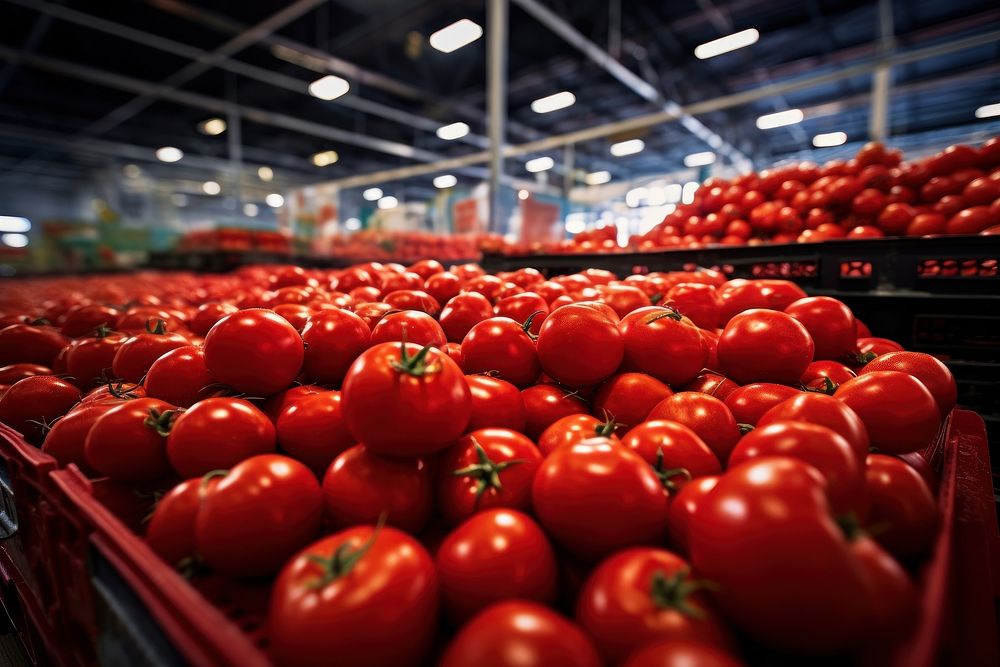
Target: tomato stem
{"points": [[528, 322], [674, 592], [667, 475], [209, 476], [161, 422], [160, 326], [668, 311], [745, 428], [416, 365], [344, 558], [607, 428], [829, 386], [486, 472]]}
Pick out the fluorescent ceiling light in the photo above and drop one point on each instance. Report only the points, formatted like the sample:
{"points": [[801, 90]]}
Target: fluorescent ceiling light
{"points": [[523, 194], [539, 164], [352, 223], [211, 188], [988, 111], [10, 223], [699, 159], [250, 210], [453, 131], [445, 181], [636, 196], [673, 192], [717, 47], [325, 158], [576, 223], [169, 154], [597, 177], [687, 193], [274, 200], [212, 126], [372, 194], [329, 87], [829, 139], [386, 203], [630, 147], [14, 240], [265, 174], [179, 199], [779, 119], [554, 102], [455, 36]]}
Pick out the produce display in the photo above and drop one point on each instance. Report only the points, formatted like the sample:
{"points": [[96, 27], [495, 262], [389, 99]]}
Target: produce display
{"points": [[443, 466]]}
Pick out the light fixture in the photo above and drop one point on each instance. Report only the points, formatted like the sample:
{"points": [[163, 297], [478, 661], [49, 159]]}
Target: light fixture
{"points": [[212, 126], [829, 139], [523, 194], [132, 171], [386, 203], [576, 222], [10, 223], [687, 193], [455, 36], [352, 224], [543, 163], [597, 177], [453, 131], [717, 47], [250, 210], [988, 111], [211, 188], [699, 159], [445, 181], [372, 194], [265, 174], [329, 87], [14, 240], [325, 158], [630, 147], [179, 199], [636, 196], [780, 119], [169, 154], [673, 192], [554, 102], [274, 200]]}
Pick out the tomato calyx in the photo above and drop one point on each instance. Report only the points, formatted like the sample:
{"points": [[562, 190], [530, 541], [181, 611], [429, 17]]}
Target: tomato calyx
{"points": [[666, 476], [486, 472], [607, 427], [39, 322], [343, 559], [102, 331], [828, 387], [119, 391], [159, 327], [861, 358], [656, 298], [161, 422], [674, 592], [416, 365], [209, 476], [669, 311], [745, 428], [526, 327]]}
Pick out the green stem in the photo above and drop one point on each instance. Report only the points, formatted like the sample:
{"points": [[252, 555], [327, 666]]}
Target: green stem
{"points": [[486, 472], [344, 558], [674, 592]]}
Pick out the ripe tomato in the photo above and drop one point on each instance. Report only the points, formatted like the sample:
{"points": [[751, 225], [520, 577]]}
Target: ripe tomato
{"points": [[931, 372], [877, 346], [981, 192], [697, 301], [359, 487], [413, 326], [26, 343], [625, 298], [501, 345], [443, 286], [830, 324], [65, 440], [371, 313], [681, 653], [33, 403], [570, 495], [207, 315], [136, 354], [495, 402], [898, 411], [970, 221], [825, 376], [544, 404], [83, 320], [822, 410], [333, 340], [180, 377], [896, 217], [313, 431], [11, 373], [659, 342], [254, 351], [675, 452], [171, 528], [520, 307], [463, 312], [749, 403], [490, 467], [627, 398], [520, 634], [765, 346], [395, 384], [706, 416], [578, 346], [927, 224], [712, 383], [218, 433], [642, 595], [575, 428], [413, 299], [902, 513], [129, 442], [276, 404], [88, 360], [482, 562], [683, 506], [425, 268]]}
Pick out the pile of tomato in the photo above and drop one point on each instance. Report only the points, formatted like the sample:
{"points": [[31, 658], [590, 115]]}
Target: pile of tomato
{"points": [[449, 467]]}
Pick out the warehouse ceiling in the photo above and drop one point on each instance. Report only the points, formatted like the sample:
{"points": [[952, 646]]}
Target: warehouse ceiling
{"points": [[85, 84]]}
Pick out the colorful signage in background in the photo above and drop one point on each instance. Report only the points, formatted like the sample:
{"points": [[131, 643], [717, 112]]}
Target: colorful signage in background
{"points": [[465, 216], [312, 218]]}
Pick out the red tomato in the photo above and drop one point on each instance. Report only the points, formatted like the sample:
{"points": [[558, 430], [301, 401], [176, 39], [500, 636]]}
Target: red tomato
{"points": [[255, 351], [570, 495], [877, 346], [491, 467], [927, 224], [32, 404], [627, 398], [865, 232], [578, 346], [544, 404], [88, 360], [868, 203], [25, 343], [333, 340], [443, 286], [180, 377], [681, 653], [697, 301], [899, 412], [406, 299], [931, 372], [970, 221], [501, 345], [749, 403], [575, 428], [684, 505], [772, 294], [83, 320], [395, 384], [65, 440], [136, 354], [902, 514], [207, 315], [659, 342], [171, 528], [822, 410], [675, 452], [371, 313], [11, 373], [642, 595], [463, 312], [825, 376], [765, 346], [496, 403], [412, 326], [625, 298], [482, 562], [706, 416], [713, 384], [830, 324], [218, 433], [981, 192], [129, 442], [426, 268], [521, 307], [345, 594], [359, 487], [313, 431]]}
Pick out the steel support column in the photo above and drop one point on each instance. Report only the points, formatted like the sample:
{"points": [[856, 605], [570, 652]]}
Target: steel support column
{"points": [[496, 81]]}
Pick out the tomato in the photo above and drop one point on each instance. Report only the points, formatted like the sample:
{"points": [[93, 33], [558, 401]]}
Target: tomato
{"points": [[406, 299], [765, 346], [255, 351], [625, 298], [659, 342], [129, 442], [403, 400], [112, 393], [712, 383], [898, 411], [642, 595], [822, 410], [981, 192], [26, 343], [208, 314], [931, 372], [134, 319], [333, 340], [575, 428], [371, 313], [627, 398], [83, 320], [520, 634], [65, 440], [404, 280], [276, 404], [697, 301], [749, 403], [346, 593], [463, 312], [927, 224], [313, 431], [877, 346], [88, 360], [495, 402], [32, 404], [902, 514], [443, 286], [520, 307], [482, 562], [970, 221], [11, 373], [705, 415], [681, 653], [830, 324], [570, 495], [578, 346], [544, 404], [684, 505], [938, 187], [825, 375], [136, 354], [501, 345], [865, 232], [412, 326], [949, 205], [180, 377], [171, 528], [675, 452], [365, 295], [359, 487], [218, 433]]}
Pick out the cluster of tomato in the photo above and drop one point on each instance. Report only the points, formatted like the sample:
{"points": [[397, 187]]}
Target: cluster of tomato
{"points": [[502, 469]]}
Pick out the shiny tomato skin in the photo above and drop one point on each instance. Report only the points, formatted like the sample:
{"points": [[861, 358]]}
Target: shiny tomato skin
{"points": [[625, 298], [822, 410], [412, 325], [680, 448], [712, 383], [902, 512], [371, 313], [749, 403], [572, 429], [25, 343], [312, 430], [683, 506], [391, 385], [88, 360], [544, 404], [971, 220], [34, 401], [462, 312], [66, 439], [635, 598], [180, 377], [126, 443], [706, 416], [207, 315], [406, 299], [136, 354], [578, 346], [333, 340], [628, 398], [218, 433], [11, 373], [697, 301], [658, 342], [931, 372], [681, 653], [750, 294], [899, 412], [501, 345], [878, 346], [520, 634], [82, 320], [926, 224], [485, 560], [255, 351], [819, 371], [495, 403], [443, 286], [570, 494], [765, 346], [520, 307], [830, 324], [359, 487], [171, 528]]}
